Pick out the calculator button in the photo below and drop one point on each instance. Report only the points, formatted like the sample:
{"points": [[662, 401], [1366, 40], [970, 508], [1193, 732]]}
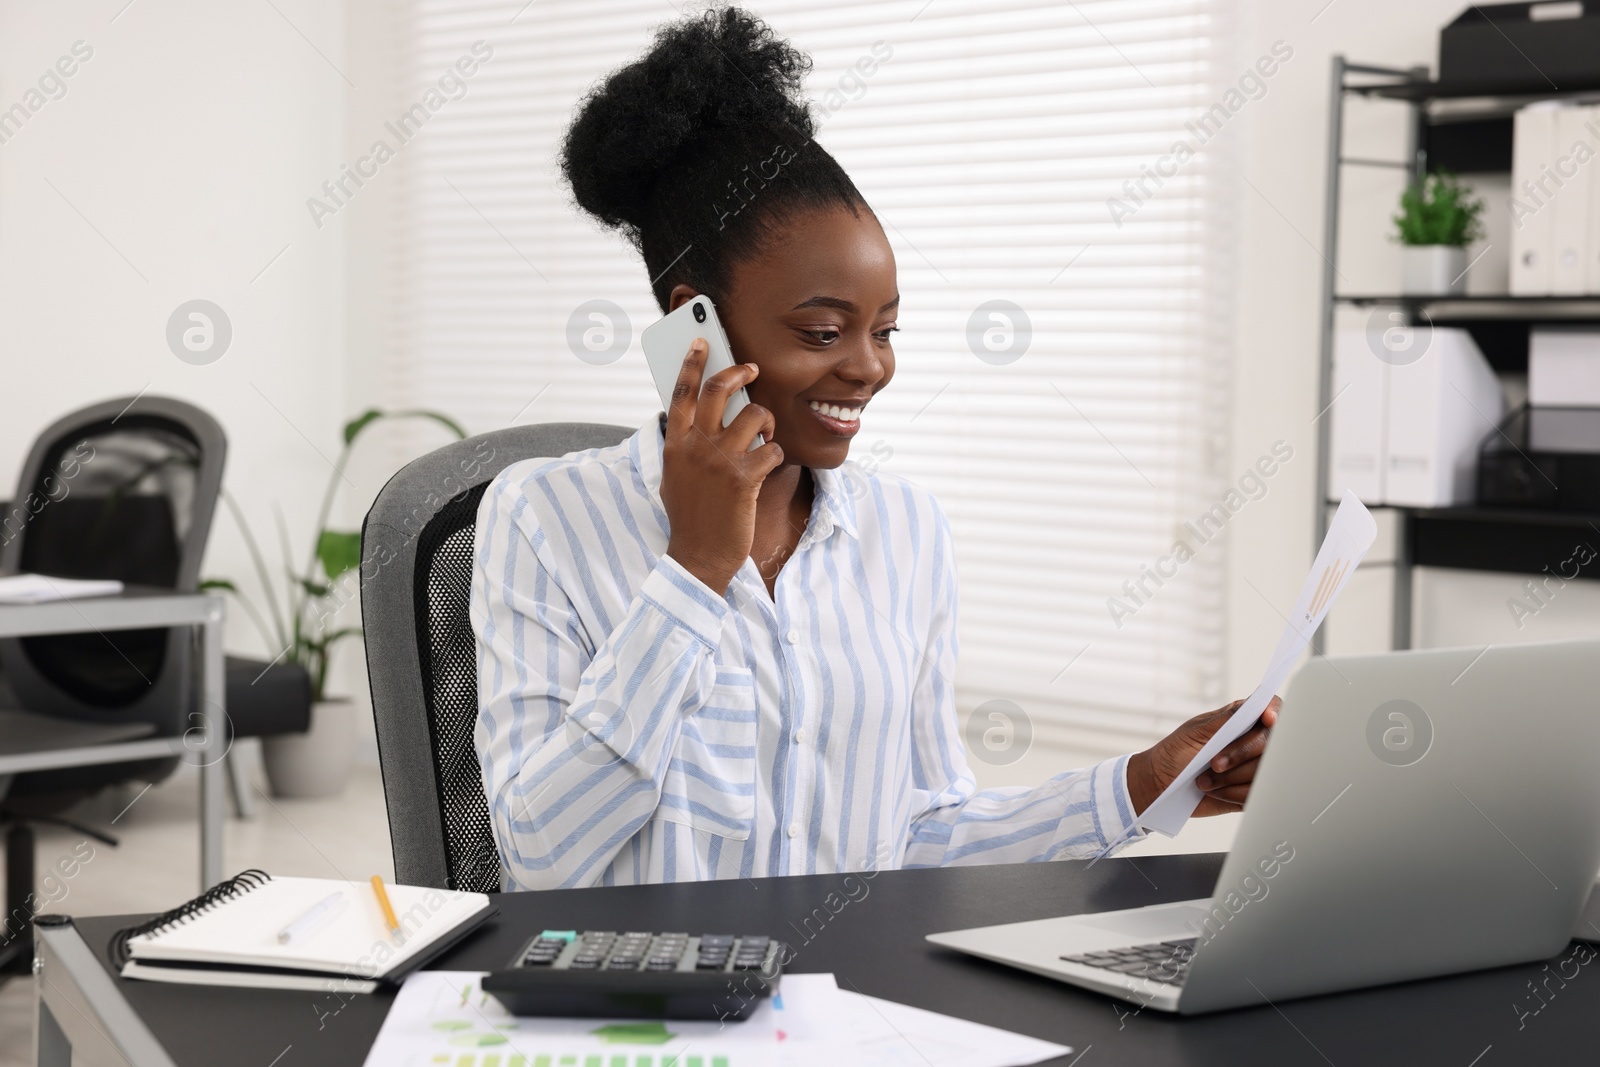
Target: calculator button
{"points": [[715, 939], [754, 942]]}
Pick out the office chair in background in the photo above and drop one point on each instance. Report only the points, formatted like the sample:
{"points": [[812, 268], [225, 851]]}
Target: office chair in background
{"points": [[119, 490], [123, 489], [416, 590]]}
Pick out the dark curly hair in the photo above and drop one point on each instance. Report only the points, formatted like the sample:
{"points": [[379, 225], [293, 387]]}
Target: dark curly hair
{"points": [[696, 151]]}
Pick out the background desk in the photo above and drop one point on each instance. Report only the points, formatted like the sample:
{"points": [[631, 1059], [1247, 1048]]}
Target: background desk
{"points": [[138, 608], [873, 944]]}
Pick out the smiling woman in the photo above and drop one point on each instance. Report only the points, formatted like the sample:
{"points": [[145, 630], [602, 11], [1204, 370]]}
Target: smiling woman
{"points": [[654, 704]]}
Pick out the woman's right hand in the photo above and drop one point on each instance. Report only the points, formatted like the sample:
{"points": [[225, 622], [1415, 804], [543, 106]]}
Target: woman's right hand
{"points": [[709, 477]]}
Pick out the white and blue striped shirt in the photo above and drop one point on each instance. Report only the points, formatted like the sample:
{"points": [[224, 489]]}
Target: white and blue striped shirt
{"points": [[634, 726]]}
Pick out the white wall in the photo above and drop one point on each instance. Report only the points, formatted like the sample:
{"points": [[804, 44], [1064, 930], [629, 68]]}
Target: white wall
{"points": [[180, 159]]}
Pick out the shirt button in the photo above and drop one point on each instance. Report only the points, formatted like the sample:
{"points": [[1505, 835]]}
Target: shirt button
{"points": [[800, 736], [794, 829], [793, 637]]}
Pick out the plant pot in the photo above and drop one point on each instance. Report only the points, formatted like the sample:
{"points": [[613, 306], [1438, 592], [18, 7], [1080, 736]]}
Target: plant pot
{"points": [[316, 763], [1433, 270]]}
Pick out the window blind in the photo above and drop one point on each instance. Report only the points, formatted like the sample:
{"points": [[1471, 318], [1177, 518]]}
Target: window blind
{"points": [[1005, 146]]}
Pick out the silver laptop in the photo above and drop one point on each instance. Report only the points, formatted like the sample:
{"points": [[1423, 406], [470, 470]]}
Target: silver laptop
{"points": [[1415, 814]]}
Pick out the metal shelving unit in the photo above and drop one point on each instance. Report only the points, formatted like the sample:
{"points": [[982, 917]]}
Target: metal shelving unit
{"points": [[1468, 131]]}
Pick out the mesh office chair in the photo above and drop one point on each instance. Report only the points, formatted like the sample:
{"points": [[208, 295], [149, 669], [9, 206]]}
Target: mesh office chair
{"points": [[123, 489], [416, 589]]}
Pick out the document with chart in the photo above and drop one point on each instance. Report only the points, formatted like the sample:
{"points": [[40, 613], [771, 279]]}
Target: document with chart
{"points": [[1349, 537], [445, 1019]]}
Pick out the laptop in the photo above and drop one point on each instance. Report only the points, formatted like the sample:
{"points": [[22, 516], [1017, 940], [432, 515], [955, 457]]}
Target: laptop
{"points": [[1415, 814]]}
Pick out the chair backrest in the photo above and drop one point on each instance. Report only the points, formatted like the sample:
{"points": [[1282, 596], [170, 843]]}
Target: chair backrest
{"points": [[416, 590], [122, 489]]}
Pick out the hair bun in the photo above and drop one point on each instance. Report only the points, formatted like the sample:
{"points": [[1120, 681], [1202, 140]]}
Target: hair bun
{"points": [[724, 70]]}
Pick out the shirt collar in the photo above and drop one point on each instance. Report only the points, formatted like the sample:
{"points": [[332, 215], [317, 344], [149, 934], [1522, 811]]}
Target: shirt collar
{"points": [[835, 499], [835, 504]]}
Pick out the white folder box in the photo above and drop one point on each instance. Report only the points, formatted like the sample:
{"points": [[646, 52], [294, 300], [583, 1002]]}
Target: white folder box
{"points": [[1564, 367], [1591, 281], [1570, 232], [1441, 407], [1532, 194], [1357, 456]]}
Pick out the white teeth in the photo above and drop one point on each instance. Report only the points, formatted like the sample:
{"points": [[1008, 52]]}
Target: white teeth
{"points": [[834, 411]]}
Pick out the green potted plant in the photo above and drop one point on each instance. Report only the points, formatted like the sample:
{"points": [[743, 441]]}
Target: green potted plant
{"points": [[1439, 217], [300, 626]]}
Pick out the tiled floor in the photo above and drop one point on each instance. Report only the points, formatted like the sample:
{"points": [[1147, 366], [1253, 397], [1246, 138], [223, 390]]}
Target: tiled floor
{"points": [[156, 865]]}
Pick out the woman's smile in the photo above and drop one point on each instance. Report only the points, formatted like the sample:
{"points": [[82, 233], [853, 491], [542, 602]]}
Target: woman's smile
{"points": [[842, 419]]}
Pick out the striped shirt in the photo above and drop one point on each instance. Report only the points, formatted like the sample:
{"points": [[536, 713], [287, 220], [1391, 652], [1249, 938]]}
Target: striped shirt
{"points": [[635, 726]]}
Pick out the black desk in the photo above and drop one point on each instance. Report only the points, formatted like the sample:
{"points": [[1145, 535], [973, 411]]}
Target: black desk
{"points": [[874, 944]]}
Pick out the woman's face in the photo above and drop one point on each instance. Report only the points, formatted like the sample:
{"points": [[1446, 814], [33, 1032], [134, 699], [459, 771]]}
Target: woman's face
{"points": [[814, 311]]}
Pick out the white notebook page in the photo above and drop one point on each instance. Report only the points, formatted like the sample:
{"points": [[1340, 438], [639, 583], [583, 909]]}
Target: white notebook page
{"points": [[244, 929]]}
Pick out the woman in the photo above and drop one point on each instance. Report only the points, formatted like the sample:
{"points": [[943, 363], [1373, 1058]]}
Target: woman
{"points": [[698, 661]]}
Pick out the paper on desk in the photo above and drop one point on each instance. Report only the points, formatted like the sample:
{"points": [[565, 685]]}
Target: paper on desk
{"points": [[40, 588], [445, 1017], [1349, 537], [818, 1022]]}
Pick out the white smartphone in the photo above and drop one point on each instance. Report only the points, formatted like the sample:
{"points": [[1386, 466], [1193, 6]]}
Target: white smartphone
{"points": [[666, 344]]}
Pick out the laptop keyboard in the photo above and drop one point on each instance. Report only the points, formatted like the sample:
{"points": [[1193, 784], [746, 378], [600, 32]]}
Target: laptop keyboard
{"points": [[1166, 961]]}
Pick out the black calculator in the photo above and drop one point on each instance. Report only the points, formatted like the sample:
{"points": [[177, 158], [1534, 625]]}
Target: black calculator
{"points": [[639, 975]]}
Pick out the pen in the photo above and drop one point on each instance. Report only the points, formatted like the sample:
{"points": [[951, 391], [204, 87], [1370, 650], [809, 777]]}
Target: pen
{"points": [[312, 918], [383, 902]]}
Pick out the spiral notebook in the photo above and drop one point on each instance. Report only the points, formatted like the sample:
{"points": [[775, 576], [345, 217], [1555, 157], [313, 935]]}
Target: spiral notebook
{"points": [[229, 935]]}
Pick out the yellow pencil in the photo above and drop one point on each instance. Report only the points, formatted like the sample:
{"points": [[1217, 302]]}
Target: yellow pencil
{"points": [[383, 902]]}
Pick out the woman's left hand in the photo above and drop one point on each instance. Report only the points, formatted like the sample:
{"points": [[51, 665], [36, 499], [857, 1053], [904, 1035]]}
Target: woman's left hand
{"points": [[1225, 783]]}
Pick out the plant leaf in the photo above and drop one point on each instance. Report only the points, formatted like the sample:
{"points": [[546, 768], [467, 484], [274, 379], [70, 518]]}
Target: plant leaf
{"points": [[339, 552], [355, 426], [359, 423], [316, 589], [218, 583], [1439, 210]]}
